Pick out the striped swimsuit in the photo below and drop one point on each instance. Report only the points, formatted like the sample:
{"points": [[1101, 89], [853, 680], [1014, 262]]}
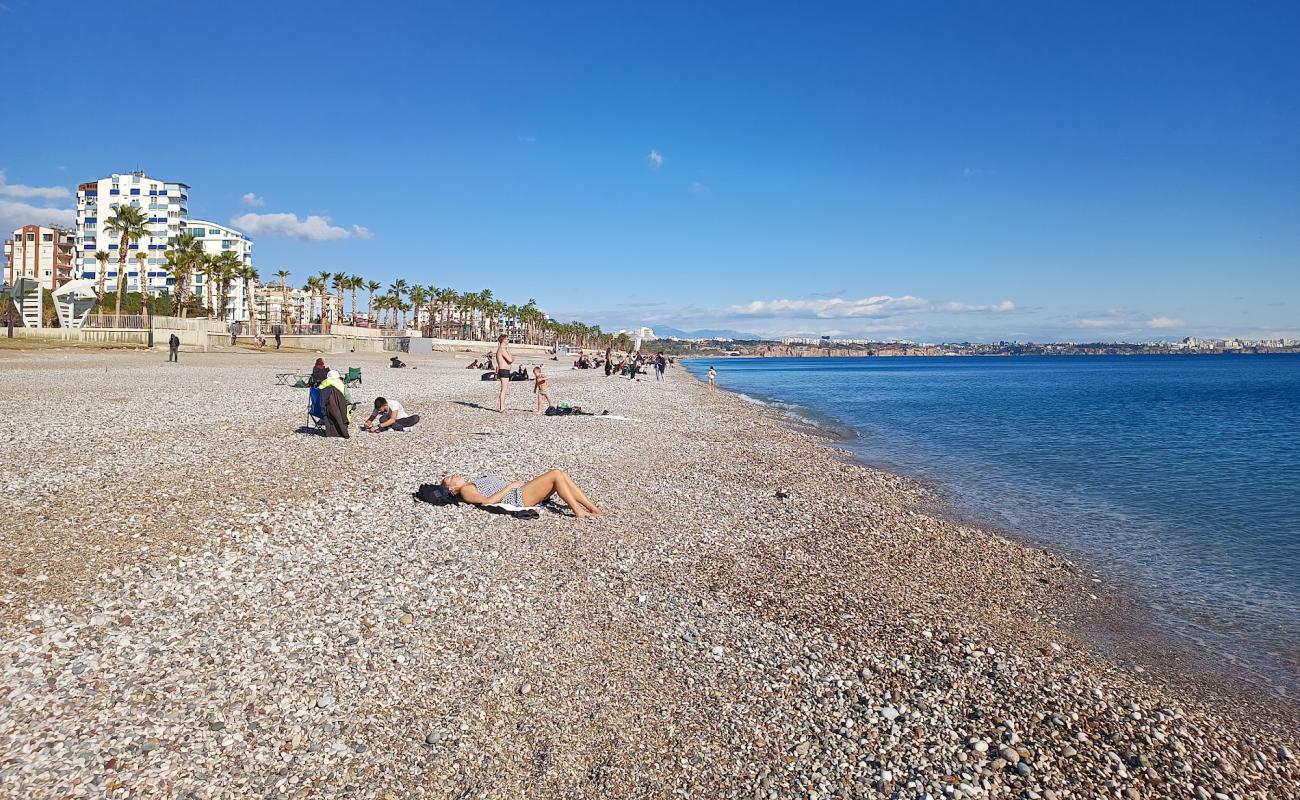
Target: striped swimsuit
{"points": [[489, 485]]}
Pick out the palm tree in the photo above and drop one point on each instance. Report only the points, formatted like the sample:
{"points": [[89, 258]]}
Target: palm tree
{"points": [[228, 267], [431, 300], [417, 302], [208, 266], [177, 268], [102, 258], [283, 275], [339, 285], [355, 282], [250, 278], [372, 286], [187, 252], [128, 222], [142, 284]]}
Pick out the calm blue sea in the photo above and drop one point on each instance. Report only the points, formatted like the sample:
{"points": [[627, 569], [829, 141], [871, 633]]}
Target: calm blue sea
{"points": [[1179, 475]]}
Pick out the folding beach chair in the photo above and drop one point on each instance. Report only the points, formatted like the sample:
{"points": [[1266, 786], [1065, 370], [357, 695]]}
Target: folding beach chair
{"points": [[353, 378], [315, 410]]}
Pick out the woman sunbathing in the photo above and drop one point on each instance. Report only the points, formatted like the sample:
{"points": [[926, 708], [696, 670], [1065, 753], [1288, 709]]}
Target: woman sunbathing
{"points": [[490, 490]]}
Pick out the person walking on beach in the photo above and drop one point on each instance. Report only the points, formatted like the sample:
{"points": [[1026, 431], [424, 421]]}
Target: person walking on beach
{"points": [[609, 357], [504, 360], [277, 337], [660, 365], [173, 348], [713, 379]]}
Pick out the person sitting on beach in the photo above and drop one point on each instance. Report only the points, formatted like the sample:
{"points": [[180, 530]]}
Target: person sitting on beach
{"points": [[489, 490], [389, 415], [318, 373], [539, 388], [335, 405], [396, 363]]}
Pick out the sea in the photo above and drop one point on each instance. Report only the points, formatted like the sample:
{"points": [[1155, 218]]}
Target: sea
{"points": [[1178, 476]]}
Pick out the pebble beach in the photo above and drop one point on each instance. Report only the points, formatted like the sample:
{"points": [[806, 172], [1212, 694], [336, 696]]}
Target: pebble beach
{"points": [[199, 600]]}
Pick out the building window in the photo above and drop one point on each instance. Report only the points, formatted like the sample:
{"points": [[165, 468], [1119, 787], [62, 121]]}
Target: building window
{"points": [[135, 191], [47, 237], [113, 191]]}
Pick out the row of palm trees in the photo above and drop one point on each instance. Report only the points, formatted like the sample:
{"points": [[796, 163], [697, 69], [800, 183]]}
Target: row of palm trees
{"points": [[185, 258], [437, 311]]}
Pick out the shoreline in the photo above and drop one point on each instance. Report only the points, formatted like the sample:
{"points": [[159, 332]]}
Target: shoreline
{"points": [[733, 628], [1121, 624]]}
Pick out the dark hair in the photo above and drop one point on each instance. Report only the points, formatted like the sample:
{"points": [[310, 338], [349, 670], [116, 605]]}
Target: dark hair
{"points": [[379, 401], [435, 494]]}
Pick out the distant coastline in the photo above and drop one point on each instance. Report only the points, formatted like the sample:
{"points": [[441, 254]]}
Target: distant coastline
{"points": [[774, 349]]}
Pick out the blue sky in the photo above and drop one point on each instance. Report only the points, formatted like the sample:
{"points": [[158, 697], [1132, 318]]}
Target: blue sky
{"points": [[927, 171]]}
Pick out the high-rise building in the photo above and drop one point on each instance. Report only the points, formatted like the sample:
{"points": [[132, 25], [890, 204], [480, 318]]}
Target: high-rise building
{"points": [[165, 205], [217, 239], [45, 254]]}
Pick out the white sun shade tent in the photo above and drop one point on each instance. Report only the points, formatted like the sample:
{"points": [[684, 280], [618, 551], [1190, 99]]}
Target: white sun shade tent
{"points": [[74, 300]]}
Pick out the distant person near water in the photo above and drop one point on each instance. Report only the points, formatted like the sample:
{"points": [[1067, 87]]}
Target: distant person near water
{"points": [[503, 362], [539, 389], [389, 415], [489, 490], [713, 379]]}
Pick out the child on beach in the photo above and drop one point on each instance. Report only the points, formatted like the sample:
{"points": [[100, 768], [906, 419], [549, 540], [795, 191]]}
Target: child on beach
{"points": [[713, 379], [539, 388]]}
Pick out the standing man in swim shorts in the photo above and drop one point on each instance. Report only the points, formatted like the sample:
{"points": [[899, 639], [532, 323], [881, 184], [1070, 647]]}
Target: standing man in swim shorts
{"points": [[504, 360]]}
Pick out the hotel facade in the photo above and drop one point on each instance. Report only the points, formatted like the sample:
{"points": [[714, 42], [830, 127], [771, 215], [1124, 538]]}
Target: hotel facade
{"points": [[40, 252]]}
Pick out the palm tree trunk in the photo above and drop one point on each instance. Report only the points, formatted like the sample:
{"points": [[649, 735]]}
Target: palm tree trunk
{"points": [[121, 280]]}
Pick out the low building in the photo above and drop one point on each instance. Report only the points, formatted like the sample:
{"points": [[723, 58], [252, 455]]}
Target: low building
{"points": [[43, 253]]}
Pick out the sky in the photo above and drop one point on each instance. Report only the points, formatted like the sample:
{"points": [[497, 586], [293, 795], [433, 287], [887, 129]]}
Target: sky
{"points": [[930, 171]]}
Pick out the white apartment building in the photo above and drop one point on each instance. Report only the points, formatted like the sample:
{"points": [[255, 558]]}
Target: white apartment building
{"points": [[165, 204], [217, 239]]}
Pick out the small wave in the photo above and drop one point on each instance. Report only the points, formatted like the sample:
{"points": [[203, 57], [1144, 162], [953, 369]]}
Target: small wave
{"points": [[803, 415]]}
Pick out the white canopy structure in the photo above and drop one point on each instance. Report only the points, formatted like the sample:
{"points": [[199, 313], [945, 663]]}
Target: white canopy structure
{"points": [[74, 300], [27, 296]]}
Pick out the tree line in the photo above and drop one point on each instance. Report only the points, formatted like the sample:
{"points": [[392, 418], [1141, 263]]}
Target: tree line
{"points": [[438, 311]]}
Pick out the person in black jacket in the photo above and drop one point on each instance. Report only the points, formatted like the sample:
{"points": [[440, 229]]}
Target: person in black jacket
{"points": [[318, 373], [173, 348]]}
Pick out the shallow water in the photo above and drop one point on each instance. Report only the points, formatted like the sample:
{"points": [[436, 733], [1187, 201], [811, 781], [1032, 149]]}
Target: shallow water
{"points": [[1178, 474]]}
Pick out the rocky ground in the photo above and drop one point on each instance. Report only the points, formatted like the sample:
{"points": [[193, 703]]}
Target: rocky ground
{"points": [[200, 601]]}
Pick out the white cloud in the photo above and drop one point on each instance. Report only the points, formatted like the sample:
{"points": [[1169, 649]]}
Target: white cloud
{"points": [[1163, 323], [251, 199], [656, 161], [15, 214], [994, 308], [875, 307], [698, 188], [526, 139], [314, 228], [32, 192]]}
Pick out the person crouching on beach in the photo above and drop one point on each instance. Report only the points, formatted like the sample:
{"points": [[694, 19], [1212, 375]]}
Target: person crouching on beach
{"points": [[489, 490], [389, 415], [539, 389]]}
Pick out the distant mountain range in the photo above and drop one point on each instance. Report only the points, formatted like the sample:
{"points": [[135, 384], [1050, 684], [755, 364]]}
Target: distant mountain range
{"points": [[664, 332]]}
